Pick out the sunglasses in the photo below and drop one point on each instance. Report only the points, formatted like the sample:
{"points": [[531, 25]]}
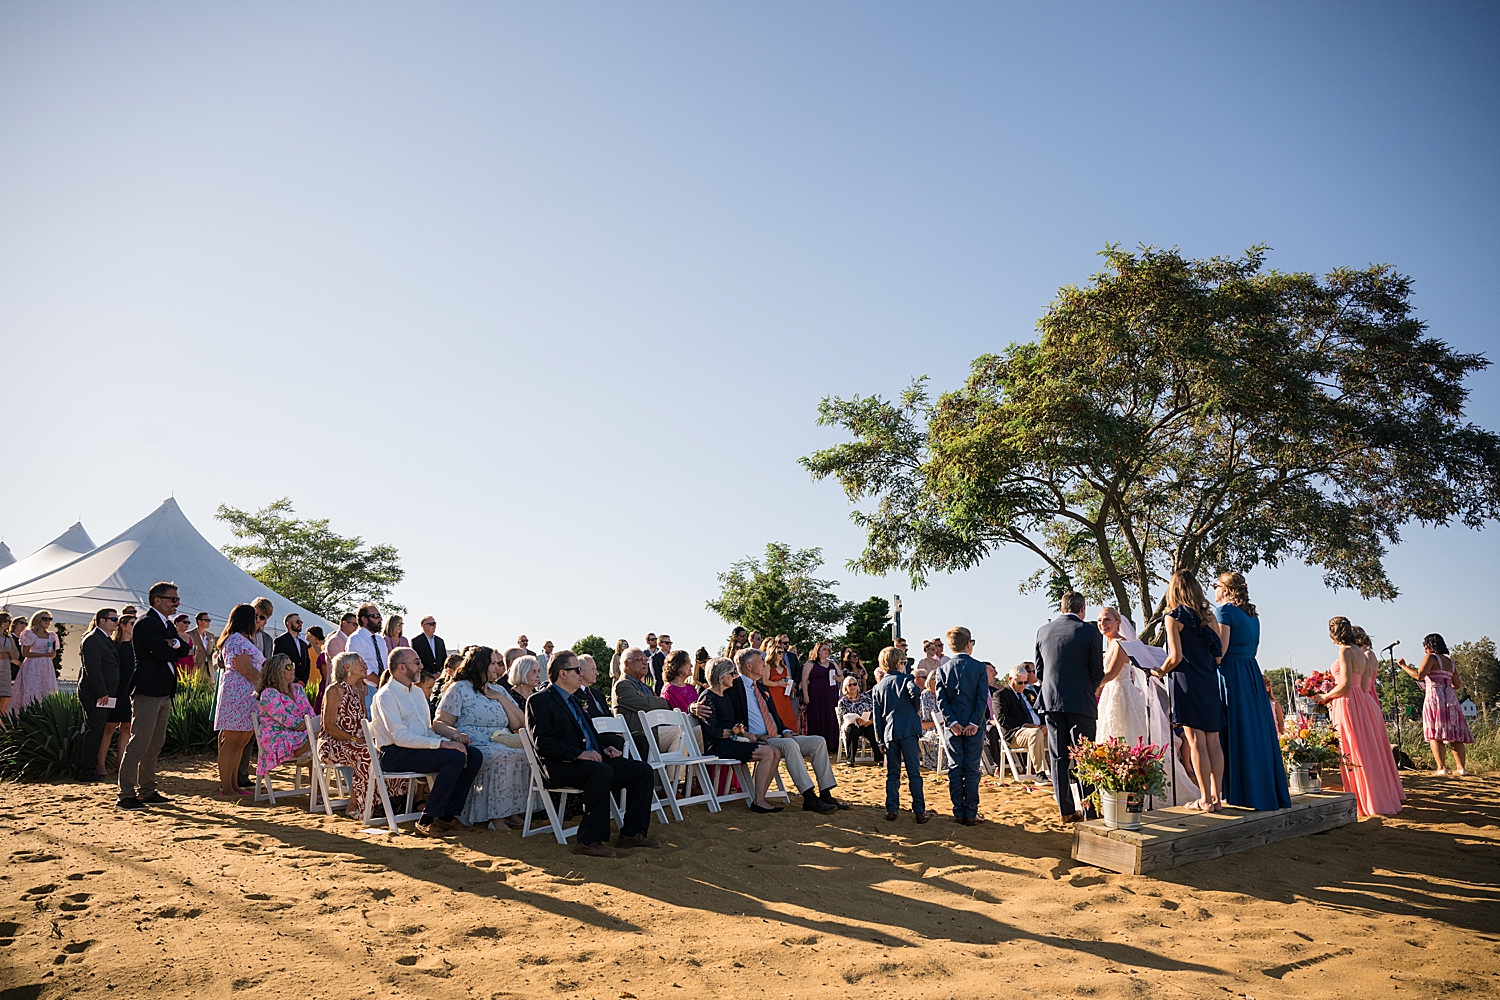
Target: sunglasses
{"points": [[114, 619], [569, 670]]}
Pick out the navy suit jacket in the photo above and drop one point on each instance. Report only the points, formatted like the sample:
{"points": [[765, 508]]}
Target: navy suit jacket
{"points": [[963, 692], [898, 708], [1070, 663]]}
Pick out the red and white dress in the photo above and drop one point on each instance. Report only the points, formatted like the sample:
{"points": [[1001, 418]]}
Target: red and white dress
{"points": [[1442, 719]]}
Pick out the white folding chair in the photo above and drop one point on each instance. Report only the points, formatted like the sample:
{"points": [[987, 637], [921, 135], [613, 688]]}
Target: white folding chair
{"points": [[686, 758], [615, 724], [1009, 759], [540, 790], [378, 779], [321, 794], [718, 765], [264, 792]]}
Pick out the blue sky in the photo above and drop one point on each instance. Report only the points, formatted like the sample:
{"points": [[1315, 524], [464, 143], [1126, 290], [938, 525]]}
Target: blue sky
{"points": [[546, 295]]}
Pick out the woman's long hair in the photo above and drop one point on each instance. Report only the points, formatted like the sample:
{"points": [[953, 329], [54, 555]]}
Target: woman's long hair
{"points": [[120, 626], [241, 621], [1239, 592], [274, 674], [476, 668], [1341, 631], [1185, 591]]}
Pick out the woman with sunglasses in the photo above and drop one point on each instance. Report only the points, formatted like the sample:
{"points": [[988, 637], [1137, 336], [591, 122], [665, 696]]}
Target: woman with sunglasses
{"points": [[37, 678]]}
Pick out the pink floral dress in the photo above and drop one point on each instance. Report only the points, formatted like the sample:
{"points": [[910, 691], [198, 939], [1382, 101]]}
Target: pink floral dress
{"points": [[236, 704], [283, 729], [1442, 719], [38, 677]]}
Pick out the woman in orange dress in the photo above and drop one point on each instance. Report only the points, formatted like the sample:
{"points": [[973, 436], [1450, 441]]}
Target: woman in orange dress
{"points": [[779, 681]]}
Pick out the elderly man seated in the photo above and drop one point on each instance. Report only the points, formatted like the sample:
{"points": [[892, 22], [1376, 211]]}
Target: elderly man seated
{"points": [[754, 710], [1019, 723], [633, 696]]}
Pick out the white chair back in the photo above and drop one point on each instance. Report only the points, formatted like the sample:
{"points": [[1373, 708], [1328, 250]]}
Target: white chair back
{"points": [[322, 794], [617, 725], [540, 792], [378, 779]]}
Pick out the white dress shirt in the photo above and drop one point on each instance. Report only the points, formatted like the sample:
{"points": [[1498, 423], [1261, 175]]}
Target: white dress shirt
{"points": [[370, 647], [400, 716]]}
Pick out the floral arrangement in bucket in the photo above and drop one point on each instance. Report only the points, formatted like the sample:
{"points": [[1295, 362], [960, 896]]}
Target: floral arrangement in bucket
{"points": [[1307, 745], [1123, 776]]}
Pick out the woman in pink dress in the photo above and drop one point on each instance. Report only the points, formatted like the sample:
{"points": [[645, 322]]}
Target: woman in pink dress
{"points": [[394, 626], [235, 707], [283, 713], [38, 678], [680, 694], [1371, 771], [1443, 722]]}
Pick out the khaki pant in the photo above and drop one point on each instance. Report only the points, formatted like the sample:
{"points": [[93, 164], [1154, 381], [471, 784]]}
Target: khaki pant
{"points": [[1034, 742], [148, 732], [795, 750]]}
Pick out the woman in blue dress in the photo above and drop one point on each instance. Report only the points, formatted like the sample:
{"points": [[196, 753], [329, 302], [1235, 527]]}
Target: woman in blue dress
{"points": [[1193, 651], [1254, 776], [473, 706]]}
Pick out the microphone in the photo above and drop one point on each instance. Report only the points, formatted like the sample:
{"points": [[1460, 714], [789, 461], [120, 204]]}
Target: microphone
{"points": [[1391, 646]]}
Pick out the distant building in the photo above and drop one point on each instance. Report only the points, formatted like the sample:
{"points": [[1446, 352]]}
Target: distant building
{"points": [[1470, 710]]}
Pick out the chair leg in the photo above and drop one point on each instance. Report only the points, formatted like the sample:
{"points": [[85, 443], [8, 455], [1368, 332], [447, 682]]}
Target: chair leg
{"points": [[707, 787]]}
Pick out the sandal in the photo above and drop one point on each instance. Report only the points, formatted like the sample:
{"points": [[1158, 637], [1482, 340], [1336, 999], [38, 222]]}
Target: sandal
{"points": [[1441, 772]]}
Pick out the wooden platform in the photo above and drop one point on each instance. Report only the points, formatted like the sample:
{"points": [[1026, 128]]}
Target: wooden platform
{"points": [[1178, 836]]}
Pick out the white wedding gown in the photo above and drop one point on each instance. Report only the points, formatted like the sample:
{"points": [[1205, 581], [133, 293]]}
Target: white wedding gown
{"points": [[1122, 707]]}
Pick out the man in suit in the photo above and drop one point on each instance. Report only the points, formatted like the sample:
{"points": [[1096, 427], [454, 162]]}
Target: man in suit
{"points": [[98, 686], [1070, 663], [587, 696], [633, 696], [573, 755], [659, 662], [157, 648], [294, 646], [430, 646], [963, 702], [898, 729], [1020, 726], [203, 642]]}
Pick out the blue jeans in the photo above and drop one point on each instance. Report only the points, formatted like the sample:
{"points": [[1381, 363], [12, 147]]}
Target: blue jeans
{"points": [[455, 773], [963, 771], [908, 750]]}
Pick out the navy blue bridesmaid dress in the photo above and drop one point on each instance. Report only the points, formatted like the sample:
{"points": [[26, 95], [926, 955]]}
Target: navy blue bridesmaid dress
{"points": [[1254, 776]]}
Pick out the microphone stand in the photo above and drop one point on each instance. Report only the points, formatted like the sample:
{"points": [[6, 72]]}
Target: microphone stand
{"points": [[1396, 698]]}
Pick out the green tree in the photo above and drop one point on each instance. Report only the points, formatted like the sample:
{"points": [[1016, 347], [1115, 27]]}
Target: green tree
{"points": [[1178, 414], [602, 652], [1479, 672], [306, 562], [1393, 683], [781, 597], [868, 631], [1282, 679]]}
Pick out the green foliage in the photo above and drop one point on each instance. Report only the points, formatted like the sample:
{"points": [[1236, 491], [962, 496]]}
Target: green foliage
{"points": [[306, 562], [1479, 672], [868, 631], [1401, 686], [41, 740], [190, 725], [602, 653], [781, 597], [1282, 679], [1178, 414]]}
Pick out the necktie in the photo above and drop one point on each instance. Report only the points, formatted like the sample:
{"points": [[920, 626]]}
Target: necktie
{"points": [[765, 711], [581, 719]]}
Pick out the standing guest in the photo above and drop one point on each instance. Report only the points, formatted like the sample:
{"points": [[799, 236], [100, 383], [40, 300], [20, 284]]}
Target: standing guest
{"points": [[1020, 726], [1122, 696], [1443, 722], [656, 656], [234, 711], [264, 609], [342, 740], [572, 754], [1193, 651], [430, 646], [317, 662], [10, 662], [498, 796], [677, 673], [932, 655], [157, 647], [348, 625], [545, 656], [820, 694], [1370, 769], [897, 702], [857, 718], [284, 711], [524, 645], [522, 679], [901, 645], [1070, 664], [38, 676], [617, 661], [117, 722], [1254, 775], [755, 639], [719, 734], [963, 698], [395, 638], [370, 645], [98, 690], [202, 641], [738, 640], [851, 666], [632, 696], [185, 666], [291, 645], [700, 663], [1277, 713], [779, 680], [408, 741]]}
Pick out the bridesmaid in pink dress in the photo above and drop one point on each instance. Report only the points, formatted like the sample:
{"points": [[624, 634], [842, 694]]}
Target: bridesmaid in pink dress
{"points": [[1443, 722], [1371, 771]]}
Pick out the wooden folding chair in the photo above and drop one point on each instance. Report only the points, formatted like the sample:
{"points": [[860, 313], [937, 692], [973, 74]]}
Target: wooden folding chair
{"points": [[264, 792], [378, 779], [686, 758], [321, 794], [540, 790], [615, 724]]}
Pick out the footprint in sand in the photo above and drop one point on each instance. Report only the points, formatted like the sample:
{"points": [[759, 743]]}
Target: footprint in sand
{"points": [[77, 901], [40, 890]]}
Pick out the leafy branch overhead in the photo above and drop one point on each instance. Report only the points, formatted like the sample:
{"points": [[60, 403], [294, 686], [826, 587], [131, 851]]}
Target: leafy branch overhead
{"points": [[1178, 414], [308, 563]]}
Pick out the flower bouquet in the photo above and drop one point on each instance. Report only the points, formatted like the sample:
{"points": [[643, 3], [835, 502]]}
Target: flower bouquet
{"points": [[1123, 776], [1307, 746], [740, 734], [1318, 683]]}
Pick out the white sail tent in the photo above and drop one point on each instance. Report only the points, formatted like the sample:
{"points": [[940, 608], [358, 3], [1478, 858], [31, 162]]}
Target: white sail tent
{"points": [[59, 552], [7, 558], [163, 546]]}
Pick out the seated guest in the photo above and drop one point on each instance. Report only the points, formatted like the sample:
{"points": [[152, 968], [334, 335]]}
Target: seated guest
{"points": [[897, 704], [588, 695], [523, 676], [929, 742], [856, 719], [573, 755], [633, 696], [342, 741], [469, 705], [1019, 722], [700, 668], [283, 711], [719, 733], [450, 666], [407, 741], [680, 694], [754, 710]]}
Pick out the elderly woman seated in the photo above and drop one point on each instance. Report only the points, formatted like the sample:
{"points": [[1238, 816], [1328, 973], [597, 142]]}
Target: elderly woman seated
{"points": [[857, 718], [474, 704], [522, 677], [731, 740], [342, 743]]}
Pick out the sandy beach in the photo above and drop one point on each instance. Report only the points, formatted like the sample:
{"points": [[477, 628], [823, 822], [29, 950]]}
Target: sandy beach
{"points": [[256, 901]]}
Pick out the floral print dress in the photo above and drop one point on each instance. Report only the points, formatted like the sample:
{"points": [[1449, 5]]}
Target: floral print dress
{"points": [[283, 727]]}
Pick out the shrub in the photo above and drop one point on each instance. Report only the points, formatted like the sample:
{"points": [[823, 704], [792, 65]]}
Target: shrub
{"points": [[190, 727], [41, 740]]}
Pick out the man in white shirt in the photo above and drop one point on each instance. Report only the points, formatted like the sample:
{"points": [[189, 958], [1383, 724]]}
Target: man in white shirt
{"points": [[368, 642], [402, 725]]}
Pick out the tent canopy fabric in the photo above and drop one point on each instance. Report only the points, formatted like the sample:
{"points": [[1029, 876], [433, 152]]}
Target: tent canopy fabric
{"points": [[57, 553], [7, 558], [164, 546]]}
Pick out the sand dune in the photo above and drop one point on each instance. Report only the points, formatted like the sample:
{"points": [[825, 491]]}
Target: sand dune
{"points": [[254, 901]]}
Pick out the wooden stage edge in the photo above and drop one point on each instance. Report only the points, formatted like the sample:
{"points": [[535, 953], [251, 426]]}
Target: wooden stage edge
{"points": [[1170, 838]]}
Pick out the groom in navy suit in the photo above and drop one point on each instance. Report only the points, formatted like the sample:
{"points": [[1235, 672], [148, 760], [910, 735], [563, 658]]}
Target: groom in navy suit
{"points": [[1070, 662]]}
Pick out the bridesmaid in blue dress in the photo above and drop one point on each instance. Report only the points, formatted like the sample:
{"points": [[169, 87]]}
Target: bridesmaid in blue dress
{"points": [[1254, 776], [1193, 651]]}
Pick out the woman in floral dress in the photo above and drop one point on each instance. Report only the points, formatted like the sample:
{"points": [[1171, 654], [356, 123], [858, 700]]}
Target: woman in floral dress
{"points": [[1443, 722], [38, 678], [474, 708], [342, 741], [284, 710], [235, 709]]}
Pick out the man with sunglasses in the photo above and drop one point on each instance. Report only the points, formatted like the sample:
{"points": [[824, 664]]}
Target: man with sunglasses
{"points": [[98, 689], [368, 642], [158, 647]]}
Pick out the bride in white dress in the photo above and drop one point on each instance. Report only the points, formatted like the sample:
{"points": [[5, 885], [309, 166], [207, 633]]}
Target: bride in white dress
{"points": [[1122, 697]]}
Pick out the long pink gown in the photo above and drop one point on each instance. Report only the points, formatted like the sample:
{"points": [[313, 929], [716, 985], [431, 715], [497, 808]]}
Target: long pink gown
{"points": [[1371, 774]]}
